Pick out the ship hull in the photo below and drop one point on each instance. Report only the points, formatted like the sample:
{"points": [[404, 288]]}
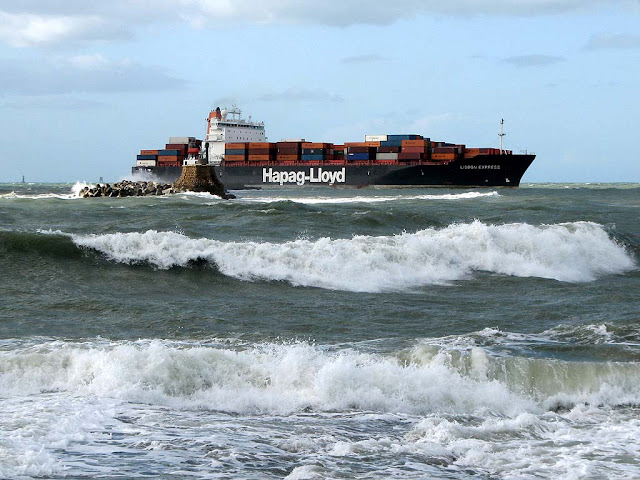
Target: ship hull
{"points": [[485, 171]]}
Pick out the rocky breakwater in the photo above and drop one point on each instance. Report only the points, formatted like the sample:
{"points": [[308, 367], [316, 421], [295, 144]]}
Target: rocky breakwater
{"points": [[194, 178], [127, 188]]}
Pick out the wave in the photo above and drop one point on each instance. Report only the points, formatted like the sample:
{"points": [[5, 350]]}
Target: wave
{"points": [[297, 377], [371, 199], [569, 252], [74, 194]]}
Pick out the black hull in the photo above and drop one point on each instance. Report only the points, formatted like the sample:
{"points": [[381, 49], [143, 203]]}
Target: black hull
{"points": [[487, 171]]}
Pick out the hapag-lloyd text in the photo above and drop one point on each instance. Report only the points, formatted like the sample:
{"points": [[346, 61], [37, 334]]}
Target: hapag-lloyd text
{"points": [[299, 177]]}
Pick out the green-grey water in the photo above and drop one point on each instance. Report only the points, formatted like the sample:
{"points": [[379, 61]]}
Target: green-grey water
{"points": [[321, 333]]}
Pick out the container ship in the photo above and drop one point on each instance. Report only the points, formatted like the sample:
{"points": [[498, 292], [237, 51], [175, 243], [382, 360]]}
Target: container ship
{"points": [[242, 157]]}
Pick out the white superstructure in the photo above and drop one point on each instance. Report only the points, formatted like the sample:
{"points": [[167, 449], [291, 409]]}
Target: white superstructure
{"points": [[228, 126]]}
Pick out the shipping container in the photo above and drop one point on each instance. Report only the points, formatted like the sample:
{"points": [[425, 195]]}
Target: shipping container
{"points": [[306, 158], [261, 145], [388, 149], [260, 158], [362, 144], [170, 152], [404, 137], [410, 156], [358, 156], [146, 157], [236, 146], [316, 151], [414, 150], [443, 156], [289, 150], [391, 143], [415, 143], [316, 145], [193, 151], [146, 163], [149, 152], [235, 158], [386, 156], [176, 146], [228, 151], [375, 138], [287, 158], [176, 140]]}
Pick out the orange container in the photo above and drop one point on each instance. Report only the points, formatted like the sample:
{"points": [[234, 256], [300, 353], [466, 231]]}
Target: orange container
{"points": [[169, 158], [259, 158], [362, 144], [148, 152], [254, 145], [235, 146], [235, 158], [316, 145], [443, 156]]}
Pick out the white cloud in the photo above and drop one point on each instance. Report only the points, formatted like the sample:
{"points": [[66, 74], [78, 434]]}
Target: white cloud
{"points": [[26, 29], [42, 22], [81, 74]]}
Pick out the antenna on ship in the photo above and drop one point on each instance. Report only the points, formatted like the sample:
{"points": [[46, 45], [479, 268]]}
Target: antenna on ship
{"points": [[501, 135]]}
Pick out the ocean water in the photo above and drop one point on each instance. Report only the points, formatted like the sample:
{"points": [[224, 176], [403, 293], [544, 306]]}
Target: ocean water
{"points": [[321, 333]]}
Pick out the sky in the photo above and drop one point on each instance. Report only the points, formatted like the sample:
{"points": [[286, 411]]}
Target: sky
{"points": [[85, 85]]}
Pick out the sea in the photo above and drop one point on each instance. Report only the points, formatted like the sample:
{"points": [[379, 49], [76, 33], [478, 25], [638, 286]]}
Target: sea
{"points": [[321, 333]]}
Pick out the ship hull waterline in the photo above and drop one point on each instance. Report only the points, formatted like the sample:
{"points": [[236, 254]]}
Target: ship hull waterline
{"points": [[489, 171]]}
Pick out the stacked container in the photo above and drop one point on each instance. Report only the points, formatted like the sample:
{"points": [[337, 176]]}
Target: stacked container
{"points": [[261, 151], [289, 151], [361, 151], [414, 149], [235, 152], [316, 152]]}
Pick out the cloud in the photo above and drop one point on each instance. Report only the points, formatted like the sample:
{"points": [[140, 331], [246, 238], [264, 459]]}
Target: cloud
{"points": [[59, 102], [613, 41], [359, 59], [81, 74], [300, 95], [43, 22], [533, 60], [26, 30]]}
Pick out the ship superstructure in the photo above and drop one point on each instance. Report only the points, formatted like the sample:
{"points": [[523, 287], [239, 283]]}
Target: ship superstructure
{"points": [[228, 126]]}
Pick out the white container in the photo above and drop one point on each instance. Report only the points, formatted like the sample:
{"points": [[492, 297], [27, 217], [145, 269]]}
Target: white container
{"points": [[386, 156], [145, 163], [180, 140], [375, 138]]}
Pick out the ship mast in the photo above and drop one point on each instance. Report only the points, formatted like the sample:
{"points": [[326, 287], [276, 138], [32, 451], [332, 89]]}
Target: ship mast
{"points": [[501, 135]]}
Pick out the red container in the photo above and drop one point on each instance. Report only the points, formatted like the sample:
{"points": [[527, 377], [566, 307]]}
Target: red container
{"points": [[287, 158], [176, 146], [414, 150], [388, 149], [410, 156]]}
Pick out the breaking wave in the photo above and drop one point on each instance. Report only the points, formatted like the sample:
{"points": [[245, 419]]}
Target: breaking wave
{"points": [[569, 252], [372, 199], [297, 377]]}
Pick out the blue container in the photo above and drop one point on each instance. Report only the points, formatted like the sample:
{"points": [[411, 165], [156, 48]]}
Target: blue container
{"points": [[313, 151], [147, 157], [173, 153], [391, 143], [358, 156], [235, 152], [403, 137], [312, 157]]}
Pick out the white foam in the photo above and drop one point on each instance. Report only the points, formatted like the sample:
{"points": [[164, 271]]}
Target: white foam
{"points": [[324, 200], [571, 252], [72, 195], [57, 396]]}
